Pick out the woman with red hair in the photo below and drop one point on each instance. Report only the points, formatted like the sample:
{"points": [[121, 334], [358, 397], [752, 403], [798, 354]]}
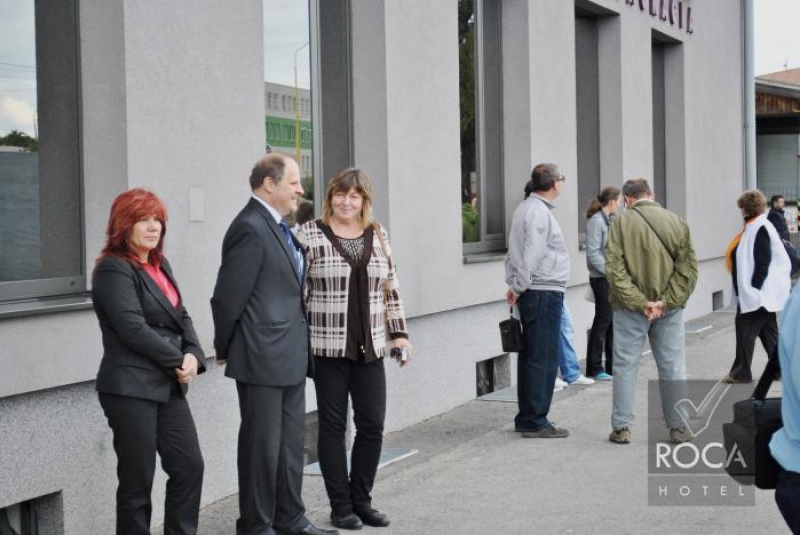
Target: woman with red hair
{"points": [[150, 354]]}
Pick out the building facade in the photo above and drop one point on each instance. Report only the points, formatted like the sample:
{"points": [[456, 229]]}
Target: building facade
{"points": [[778, 139], [437, 101]]}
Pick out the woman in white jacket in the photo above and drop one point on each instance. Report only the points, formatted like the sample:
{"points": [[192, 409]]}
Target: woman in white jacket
{"points": [[760, 270]]}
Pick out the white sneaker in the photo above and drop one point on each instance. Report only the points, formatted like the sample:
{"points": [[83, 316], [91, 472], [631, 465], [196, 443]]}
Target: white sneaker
{"points": [[583, 380], [560, 385]]}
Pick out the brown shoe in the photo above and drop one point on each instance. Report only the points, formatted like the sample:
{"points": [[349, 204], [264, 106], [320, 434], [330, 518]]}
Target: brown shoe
{"points": [[620, 436]]}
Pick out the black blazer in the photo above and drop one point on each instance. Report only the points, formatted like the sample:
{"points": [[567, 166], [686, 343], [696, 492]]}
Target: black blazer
{"points": [[260, 326], [144, 336]]}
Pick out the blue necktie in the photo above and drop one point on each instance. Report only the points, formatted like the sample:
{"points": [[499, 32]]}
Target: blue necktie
{"points": [[296, 256]]}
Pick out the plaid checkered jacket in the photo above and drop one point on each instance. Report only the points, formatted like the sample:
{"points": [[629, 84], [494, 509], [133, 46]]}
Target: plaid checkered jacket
{"points": [[327, 290]]}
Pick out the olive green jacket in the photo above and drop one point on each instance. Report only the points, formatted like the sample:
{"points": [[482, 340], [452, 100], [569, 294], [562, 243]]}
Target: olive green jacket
{"points": [[640, 268]]}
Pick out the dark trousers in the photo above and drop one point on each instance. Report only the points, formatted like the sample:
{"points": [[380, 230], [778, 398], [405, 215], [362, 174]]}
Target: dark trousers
{"points": [[141, 428], [335, 380], [601, 336], [537, 366], [787, 496], [270, 459], [749, 326]]}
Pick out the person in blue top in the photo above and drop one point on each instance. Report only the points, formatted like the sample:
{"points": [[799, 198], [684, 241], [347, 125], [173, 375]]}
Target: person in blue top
{"points": [[785, 443]]}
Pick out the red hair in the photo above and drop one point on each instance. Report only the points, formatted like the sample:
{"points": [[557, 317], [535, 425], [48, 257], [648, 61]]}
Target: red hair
{"points": [[127, 209]]}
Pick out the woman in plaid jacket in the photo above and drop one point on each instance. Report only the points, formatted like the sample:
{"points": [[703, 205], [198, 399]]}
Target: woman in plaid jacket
{"points": [[353, 302]]}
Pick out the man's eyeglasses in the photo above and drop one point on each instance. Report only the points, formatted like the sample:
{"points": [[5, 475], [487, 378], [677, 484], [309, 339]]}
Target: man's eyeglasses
{"points": [[561, 178]]}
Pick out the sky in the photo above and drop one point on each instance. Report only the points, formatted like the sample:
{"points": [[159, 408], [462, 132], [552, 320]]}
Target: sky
{"points": [[285, 46], [777, 35]]}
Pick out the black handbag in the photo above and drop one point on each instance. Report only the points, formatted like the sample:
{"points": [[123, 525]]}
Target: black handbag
{"points": [[746, 439], [511, 333]]}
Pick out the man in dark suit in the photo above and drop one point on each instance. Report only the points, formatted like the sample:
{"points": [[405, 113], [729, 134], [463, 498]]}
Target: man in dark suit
{"points": [[260, 330]]}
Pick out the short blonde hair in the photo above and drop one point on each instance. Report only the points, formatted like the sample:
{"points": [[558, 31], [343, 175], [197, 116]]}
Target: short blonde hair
{"points": [[344, 181]]}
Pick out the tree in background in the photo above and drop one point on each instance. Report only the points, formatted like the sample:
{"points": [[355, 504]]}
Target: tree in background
{"points": [[20, 139]]}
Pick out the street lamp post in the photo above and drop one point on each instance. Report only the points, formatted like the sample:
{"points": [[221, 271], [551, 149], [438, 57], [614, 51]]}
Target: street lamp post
{"points": [[297, 106]]}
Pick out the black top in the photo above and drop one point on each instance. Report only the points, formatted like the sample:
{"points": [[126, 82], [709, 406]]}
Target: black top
{"points": [[778, 219], [762, 256]]}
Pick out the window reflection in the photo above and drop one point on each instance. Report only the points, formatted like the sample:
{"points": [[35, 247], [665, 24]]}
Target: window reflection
{"points": [[287, 90], [40, 202]]}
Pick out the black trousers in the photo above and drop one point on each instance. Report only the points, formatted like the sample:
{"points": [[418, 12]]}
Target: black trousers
{"points": [[787, 496], [749, 326], [141, 428], [270, 459], [335, 379], [601, 336]]}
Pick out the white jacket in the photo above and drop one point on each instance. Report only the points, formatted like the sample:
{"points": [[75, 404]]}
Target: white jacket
{"points": [[777, 285]]}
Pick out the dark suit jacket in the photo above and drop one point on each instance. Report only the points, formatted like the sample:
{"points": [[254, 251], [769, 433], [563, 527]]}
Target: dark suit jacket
{"points": [[144, 336], [260, 325]]}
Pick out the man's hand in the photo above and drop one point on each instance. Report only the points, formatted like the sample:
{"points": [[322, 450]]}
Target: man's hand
{"points": [[188, 370], [654, 310], [511, 297]]}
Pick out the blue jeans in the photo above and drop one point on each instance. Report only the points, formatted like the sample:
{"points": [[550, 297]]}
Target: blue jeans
{"points": [[568, 363], [787, 496], [666, 335], [537, 366]]}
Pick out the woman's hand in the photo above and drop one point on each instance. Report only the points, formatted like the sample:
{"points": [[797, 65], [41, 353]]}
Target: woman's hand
{"points": [[402, 343], [188, 370]]}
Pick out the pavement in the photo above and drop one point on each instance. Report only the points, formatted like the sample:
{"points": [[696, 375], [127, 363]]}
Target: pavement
{"points": [[474, 475]]}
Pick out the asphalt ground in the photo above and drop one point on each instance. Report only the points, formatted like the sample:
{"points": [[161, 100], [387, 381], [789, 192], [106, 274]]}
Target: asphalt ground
{"points": [[473, 474]]}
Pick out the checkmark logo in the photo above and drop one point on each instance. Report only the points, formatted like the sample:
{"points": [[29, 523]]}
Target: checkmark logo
{"points": [[697, 418]]}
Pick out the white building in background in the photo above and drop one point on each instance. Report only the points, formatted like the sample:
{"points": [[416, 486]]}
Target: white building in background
{"points": [[607, 89]]}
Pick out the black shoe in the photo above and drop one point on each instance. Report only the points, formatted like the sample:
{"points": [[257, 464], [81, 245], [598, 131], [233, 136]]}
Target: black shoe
{"points": [[348, 521], [371, 517], [311, 529]]}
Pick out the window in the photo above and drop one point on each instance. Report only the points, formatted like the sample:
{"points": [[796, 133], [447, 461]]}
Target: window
{"points": [[287, 73], [41, 234], [480, 77]]}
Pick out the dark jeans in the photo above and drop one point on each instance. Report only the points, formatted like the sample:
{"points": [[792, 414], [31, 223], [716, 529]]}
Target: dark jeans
{"points": [[141, 428], [787, 496], [537, 366], [601, 336], [749, 326], [334, 380]]}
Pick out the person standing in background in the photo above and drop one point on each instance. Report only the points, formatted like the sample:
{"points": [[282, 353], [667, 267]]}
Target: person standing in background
{"points": [[652, 271], [777, 216], [537, 270], [601, 336], [760, 268]]}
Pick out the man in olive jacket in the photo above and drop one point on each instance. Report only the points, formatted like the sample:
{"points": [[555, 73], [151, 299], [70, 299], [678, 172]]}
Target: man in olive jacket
{"points": [[651, 269]]}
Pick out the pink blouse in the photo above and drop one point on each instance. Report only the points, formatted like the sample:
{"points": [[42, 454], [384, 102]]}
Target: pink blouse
{"points": [[163, 283]]}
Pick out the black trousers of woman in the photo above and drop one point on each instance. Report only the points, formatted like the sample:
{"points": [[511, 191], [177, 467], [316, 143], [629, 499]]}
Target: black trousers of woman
{"points": [[787, 496], [749, 326], [141, 428], [601, 336], [336, 379]]}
